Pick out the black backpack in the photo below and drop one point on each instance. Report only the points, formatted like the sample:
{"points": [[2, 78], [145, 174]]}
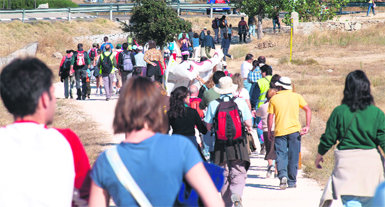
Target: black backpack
{"points": [[214, 24], [222, 23], [106, 64], [65, 68]]}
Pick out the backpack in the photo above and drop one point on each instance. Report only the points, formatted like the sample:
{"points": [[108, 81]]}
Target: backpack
{"points": [[214, 24], [106, 64], [65, 68], [194, 104], [80, 60], [92, 54], [127, 62], [222, 23], [228, 124]]}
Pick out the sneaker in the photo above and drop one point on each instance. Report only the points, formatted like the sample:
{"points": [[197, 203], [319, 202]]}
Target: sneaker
{"points": [[283, 183], [236, 199], [269, 171]]}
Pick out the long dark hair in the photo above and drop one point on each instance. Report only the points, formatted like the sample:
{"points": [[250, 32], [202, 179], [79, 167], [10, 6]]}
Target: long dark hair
{"points": [[357, 91], [177, 107]]}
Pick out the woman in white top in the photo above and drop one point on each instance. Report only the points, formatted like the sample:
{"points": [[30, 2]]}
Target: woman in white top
{"points": [[241, 92]]}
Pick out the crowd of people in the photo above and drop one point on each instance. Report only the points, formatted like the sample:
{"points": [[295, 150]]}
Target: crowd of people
{"points": [[169, 140]]}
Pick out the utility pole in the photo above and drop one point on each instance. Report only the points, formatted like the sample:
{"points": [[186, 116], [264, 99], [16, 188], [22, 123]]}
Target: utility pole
{"points": [[9, 4], [35, 4]]}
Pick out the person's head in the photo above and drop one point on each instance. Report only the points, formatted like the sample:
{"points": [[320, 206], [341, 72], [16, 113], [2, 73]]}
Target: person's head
{"points": [[105, 39], [266, 70], [262, 59], [273, 80], [140, 49], [194, 91], [242, 18], [218, 75], [107, 47], [183, 36], [230, 25], [208, 32], [118, 46], [224, 17], [357, 91], [196, 35], [80, 47], [284, 83], [225, 36], [151, 44], [70, 52], [255, 63], [99, 51], [26, 89], [140, 107], [95, 45], [178, 98], [249, 57], [125, 46], [238, 80], [225, 86], [270, 93]]}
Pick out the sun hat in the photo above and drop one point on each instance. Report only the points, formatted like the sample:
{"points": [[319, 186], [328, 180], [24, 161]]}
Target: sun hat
{"points": [[226, 86], [140, 48], [134, 47], [285, 82]]}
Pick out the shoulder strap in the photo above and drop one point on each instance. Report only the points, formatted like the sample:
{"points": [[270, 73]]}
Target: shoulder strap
{"points": [[125, 177]]}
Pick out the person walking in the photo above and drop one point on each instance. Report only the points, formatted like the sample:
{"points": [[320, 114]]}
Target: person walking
{"points": [[215, 27], [246, 67], [183, 119], [372, 5], [126, 63], [106, 42], [140, 65], [196, 46], [259, 89], [232, 156], [154, 60], [275, 17], [251, 23], [106, 64], [358, 126], [79, 64], [157, 162], [42, 166], [285, 107], [209, 44], [226, 46], [64, 73], [242, 30], [185, 44], [241, 92], [202, 40], [223, 26], [230, 31], [98, 73]]}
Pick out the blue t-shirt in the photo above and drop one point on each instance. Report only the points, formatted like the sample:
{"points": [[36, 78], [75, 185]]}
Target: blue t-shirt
{"points": [[157, 164], [195, 42], [102, 47]]}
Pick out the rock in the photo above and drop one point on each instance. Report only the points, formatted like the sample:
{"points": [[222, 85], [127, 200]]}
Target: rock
{"points": [[57, 55], [357, 26], [330, 70], [28, 50], [43, 6]]}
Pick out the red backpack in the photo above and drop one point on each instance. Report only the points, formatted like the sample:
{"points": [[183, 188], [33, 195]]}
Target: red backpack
{"points": [[80, 60], [194, 104], [228, 121]]}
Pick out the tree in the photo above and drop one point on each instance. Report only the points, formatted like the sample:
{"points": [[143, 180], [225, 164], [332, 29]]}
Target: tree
{"points": [[259, 9], [154, 20]]}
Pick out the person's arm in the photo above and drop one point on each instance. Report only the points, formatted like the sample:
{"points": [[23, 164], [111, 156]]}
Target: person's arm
{"points": [[199, 123], [98, 197], [200, 180], [88, 60], [270, 119], [305, 130], [72, 64]]}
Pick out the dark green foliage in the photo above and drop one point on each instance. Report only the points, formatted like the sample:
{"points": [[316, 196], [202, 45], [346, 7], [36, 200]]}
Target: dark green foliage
{"points": [[30, 4], [154, 20]]}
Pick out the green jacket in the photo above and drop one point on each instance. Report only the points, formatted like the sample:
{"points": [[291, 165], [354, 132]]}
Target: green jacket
{"points": [[365, 129]]}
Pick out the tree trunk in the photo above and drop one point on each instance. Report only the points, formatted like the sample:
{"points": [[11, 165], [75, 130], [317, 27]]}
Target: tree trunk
{"points": [[259, 27]]}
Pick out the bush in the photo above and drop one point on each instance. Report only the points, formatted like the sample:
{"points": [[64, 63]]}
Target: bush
{"points": [[30, 4]]}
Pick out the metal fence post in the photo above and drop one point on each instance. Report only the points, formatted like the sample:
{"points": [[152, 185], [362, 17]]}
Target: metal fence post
{"points": [[211, 11], [23, 16], [111, 12], [178, 10], [69, 14]]}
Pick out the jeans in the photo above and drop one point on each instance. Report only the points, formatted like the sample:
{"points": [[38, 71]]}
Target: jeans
{"points": [[223, 31], [208, 49], [247, 85], [216, 37], [276, 22], [242, 37], [287, 148], [371, 7], [356, 201], [107, 81], [226, 53], [252, 30], [69, 83], [81, 75], [235, 180]]}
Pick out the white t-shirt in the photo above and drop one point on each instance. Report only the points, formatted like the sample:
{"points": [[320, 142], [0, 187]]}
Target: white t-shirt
{"points": [[37, 166], [245, 69], [243, 94]]}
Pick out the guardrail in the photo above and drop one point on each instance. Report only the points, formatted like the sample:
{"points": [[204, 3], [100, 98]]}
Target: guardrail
{"points": [[118, 8]]}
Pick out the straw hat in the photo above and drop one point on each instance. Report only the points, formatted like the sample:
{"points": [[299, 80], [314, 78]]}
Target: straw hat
{"points": [[226, 86], [285, 82]]}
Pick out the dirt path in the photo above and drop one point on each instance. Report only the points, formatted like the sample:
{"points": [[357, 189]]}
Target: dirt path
{"points": [[259, 191]]}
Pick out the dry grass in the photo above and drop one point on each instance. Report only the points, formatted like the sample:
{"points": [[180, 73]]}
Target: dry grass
{"points": [[69, 115]]}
